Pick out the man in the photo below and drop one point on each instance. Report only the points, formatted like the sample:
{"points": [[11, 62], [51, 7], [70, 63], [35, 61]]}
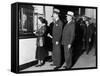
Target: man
{"points": [[56, 33], [88, 35], [67, 39], [83, 28]]}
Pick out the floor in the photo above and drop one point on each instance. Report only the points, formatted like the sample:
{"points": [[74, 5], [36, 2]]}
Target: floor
{"points": [[83, 61]]}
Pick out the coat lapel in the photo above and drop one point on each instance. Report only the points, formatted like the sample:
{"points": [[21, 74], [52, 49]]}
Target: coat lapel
{"points": [[57, 23], [68, 24]]}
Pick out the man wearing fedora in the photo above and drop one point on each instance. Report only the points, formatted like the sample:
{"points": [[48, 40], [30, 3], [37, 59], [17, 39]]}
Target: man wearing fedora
{"points": [[56, 33], [67, 38]]}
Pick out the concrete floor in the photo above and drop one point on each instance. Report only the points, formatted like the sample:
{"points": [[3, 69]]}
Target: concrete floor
{"points": [[83, 61]]}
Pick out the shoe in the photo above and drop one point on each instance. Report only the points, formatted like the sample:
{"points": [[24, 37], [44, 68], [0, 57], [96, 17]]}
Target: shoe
{"points": [[42, 64], [56, 68], [50, 60], [65, 67], [38, 65], [87, 52], [52, 64]]}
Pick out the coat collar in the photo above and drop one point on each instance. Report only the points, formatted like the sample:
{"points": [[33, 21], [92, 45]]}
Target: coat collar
{"points": [[57, 22], [70, 22]]}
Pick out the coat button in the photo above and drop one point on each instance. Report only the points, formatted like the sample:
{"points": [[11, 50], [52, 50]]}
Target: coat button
{"points": [[56, 24]]}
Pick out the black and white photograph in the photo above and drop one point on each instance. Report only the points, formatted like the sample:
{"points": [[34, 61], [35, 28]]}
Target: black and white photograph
{"points": [[51, 37]]}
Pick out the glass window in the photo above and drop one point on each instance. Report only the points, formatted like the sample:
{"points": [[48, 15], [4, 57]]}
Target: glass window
{"points": [[28, 19]]}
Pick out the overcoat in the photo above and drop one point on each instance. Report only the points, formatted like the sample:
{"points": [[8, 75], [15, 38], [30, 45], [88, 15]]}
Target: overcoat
{"points": [[57, 32], [68, 33], [67, 38]]}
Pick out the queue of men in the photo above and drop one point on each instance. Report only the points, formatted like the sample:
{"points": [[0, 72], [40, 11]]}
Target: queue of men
{"points": [[63, 36]]}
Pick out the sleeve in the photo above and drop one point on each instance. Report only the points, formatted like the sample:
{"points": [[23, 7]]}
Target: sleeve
{"points": [[60, 31], [50, 29], [72, 33]]}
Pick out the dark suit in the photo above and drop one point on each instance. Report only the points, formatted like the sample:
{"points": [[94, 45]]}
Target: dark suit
{"points": [[57, 31], [88, 35], [67, 38]]}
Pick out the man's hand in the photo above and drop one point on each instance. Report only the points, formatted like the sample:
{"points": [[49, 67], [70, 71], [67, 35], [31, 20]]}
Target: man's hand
{"points": [[69, 46], [57, 42], [89, 39], [49, 36], [34, 32]]}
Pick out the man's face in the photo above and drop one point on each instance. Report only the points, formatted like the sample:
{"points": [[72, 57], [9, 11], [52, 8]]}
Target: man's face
{"points": [[84, 18], [55, 16], [68, 18], [87, 23]]}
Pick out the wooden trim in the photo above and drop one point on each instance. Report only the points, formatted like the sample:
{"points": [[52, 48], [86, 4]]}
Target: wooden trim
{"points": [[14, 38], [27, 65]]}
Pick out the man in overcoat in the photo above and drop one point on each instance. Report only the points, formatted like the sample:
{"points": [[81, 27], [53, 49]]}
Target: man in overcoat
{"points": [[67, 39], [88, 36], [56, 33]]}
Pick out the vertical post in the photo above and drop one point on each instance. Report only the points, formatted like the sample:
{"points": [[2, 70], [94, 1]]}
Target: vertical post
{"points": [[44, 11], [79, 11], [33, 20], [21, 18]]}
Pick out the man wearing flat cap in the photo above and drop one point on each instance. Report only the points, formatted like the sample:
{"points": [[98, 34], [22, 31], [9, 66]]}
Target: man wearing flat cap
{"points": [[67, 38], [56, 33]]}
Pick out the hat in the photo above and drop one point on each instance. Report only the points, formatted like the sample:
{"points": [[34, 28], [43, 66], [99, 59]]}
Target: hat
{"points": [[87, 18], [70, 13], [56, 11]]}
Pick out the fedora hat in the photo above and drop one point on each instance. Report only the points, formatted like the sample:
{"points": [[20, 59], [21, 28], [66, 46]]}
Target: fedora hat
{"points": [[70, 13]]}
